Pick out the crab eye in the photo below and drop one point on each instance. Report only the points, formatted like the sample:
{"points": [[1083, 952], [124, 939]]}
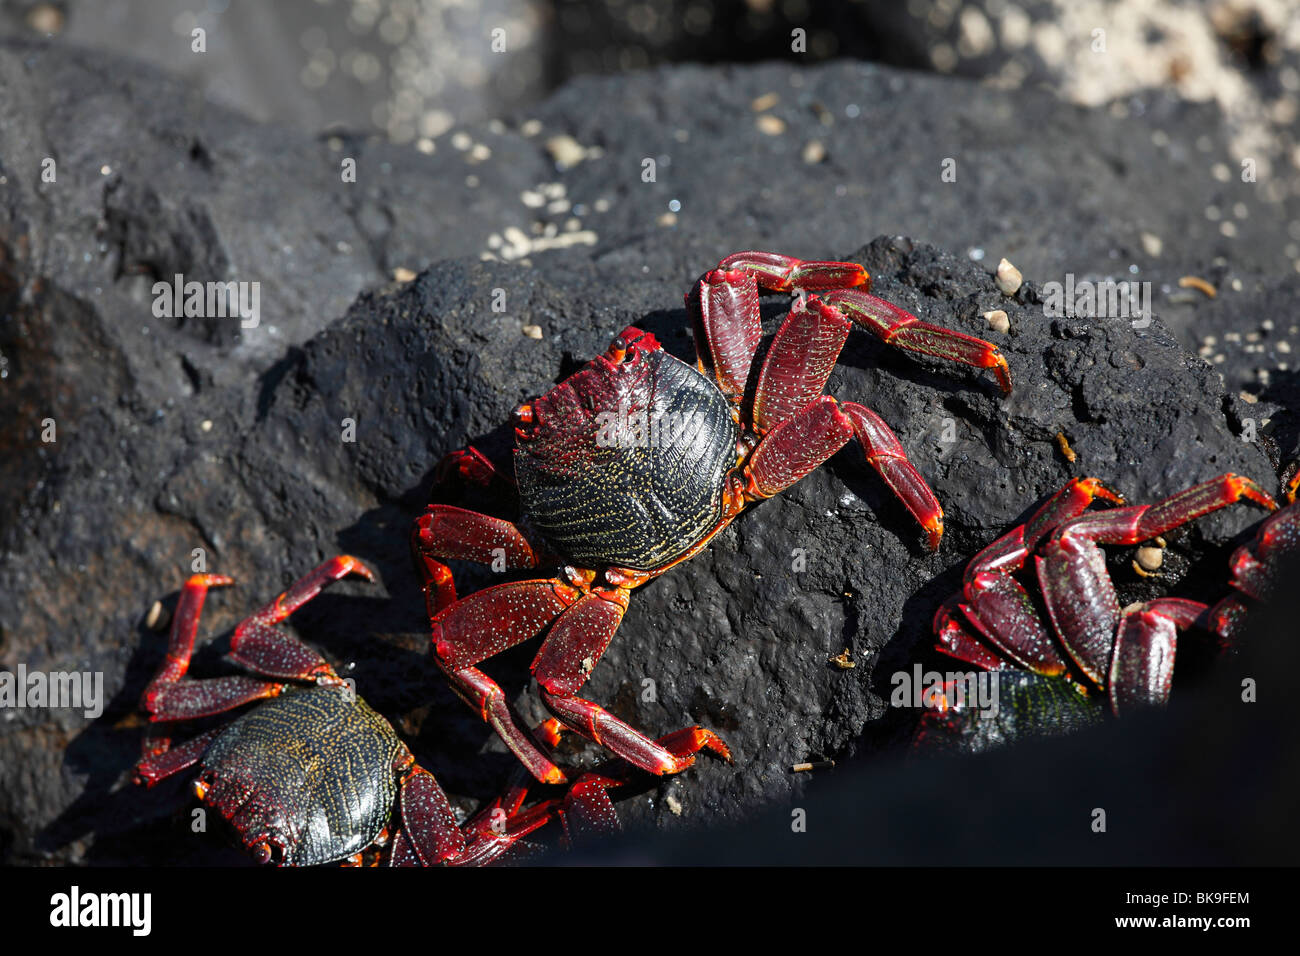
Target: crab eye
{"points": [[619, 344]]}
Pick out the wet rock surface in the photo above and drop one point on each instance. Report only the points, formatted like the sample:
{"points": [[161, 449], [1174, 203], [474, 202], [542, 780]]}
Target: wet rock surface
{"points": [[196, 435]]}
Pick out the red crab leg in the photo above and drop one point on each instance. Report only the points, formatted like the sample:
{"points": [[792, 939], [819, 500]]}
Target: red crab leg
{"points": [[1008, 552], [997, 605], [596, 724], [481, 626], [724, 308], [778, 273], [160, 766], [799, 444], [954, 640], [306, 588], [800, 360], [269, 652], [1142, 666], [484, 696], [185, 627], [429, 834], [1255, 567], [500, 826], [895, 326], [1002, 612], [428, 823], [189, 699], [256, 645], [451, 533], [578, 640], [1228, 620], [570, 652], [1076, 588], [1181, 611], [885, 454], [180, 646], [494, 619], [472, 466], [1138, 523], [587, 812]]}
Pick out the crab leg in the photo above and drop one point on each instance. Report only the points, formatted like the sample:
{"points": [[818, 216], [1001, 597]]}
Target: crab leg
{"points": [[450, 533], [895, 326], [586, 812], [491, 835], [1003, 613], [1142, 666], [485, 696], [1077, 589], [799, 444], [1146, 643], [1138, 523], [796, 447], [799, 362], [778, 273], [269, 652], [185, 627], [496, 618], [724, 310], [187, 700], [256, 645], [473, 466], [885, 454], [997, 605], [953, 639], [304, 589], [569, 653], [180, 646], [162, 765], [601, 727], [1008, 552], [429, 834], [481, 626], [723, 307]]}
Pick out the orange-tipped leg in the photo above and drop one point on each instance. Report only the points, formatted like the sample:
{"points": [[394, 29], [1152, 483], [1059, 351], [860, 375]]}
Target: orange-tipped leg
{"points": [[899, 327]]}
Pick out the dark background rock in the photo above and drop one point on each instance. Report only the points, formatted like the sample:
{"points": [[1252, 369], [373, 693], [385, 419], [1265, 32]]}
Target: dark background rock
{"points": [[104, 521], [410, 70]]}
